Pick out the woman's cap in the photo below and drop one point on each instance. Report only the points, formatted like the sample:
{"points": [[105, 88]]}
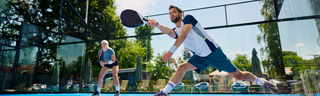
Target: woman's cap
{"points": [[104, 41]]}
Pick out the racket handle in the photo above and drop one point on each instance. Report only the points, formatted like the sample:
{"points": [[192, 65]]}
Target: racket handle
{"points": [[145, 19]]}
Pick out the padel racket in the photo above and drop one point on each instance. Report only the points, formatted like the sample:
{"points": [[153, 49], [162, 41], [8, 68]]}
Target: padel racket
{"points": [[131, 18], [101, 56]]}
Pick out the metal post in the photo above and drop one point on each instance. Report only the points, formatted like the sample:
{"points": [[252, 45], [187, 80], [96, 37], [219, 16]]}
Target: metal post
{"points": [[1, 51], [87, 12], [86, 21], [225, 11], [86, 33], [16, 60], [82, 65], [75, 11], [2, 57], [38, 57], [59, 28], [276, 7]]}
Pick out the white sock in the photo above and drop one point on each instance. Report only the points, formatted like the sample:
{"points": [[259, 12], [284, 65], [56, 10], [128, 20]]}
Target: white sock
{"points": [[169, 87], [258, 80], [117, 88], [99, 89]]}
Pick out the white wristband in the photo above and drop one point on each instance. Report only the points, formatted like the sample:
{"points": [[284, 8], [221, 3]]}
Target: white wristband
{"points": [[173, 49], [110, 62]]}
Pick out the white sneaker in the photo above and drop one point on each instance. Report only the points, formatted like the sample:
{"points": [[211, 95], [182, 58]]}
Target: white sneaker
{"points": [[270, 86], [161, 93], [96, 94], [117, 93]]}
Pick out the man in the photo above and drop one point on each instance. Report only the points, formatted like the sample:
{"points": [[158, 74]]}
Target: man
{"points": [[70, 81], [206, 51]]}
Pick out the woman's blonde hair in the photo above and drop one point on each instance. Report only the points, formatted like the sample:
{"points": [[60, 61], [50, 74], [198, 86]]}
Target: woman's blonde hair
{"points": [[105, 42]]}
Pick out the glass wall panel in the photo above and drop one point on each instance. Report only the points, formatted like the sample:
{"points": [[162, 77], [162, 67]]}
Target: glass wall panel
{"points": [[30, 35], [7, 58], [243, 14], [50, 70], [26, 69], [299, 8], [72, 66], [300, 45], [68, 39], [214, 16], [73, 28], [301, 52]]}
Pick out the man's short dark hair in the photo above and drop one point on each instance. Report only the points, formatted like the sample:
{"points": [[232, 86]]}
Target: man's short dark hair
{"points": [[172, 6]]}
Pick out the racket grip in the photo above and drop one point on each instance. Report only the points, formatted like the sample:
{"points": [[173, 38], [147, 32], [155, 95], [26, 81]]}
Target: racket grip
{"points": [[145, 19]]}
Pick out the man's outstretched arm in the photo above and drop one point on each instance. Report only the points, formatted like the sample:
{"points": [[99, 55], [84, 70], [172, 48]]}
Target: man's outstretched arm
{"points": [[164, 29]]}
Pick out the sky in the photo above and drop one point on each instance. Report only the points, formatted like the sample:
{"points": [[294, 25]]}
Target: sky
{"points": [[213, 17], [232, 40]]}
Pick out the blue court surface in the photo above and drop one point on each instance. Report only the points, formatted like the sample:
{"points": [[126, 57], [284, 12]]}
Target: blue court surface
{"points": [[127, 94]]}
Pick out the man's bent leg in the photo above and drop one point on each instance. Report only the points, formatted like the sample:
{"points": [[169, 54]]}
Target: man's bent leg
{"points": [[250, 77], [178, 75], [182, 69]]}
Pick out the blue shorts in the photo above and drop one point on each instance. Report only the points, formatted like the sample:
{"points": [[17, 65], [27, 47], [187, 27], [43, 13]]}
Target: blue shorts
{"points": [[216, 59]]}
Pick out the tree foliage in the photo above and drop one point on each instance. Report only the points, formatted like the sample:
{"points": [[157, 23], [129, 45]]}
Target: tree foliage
{"points": [[128, 54], [273, 62], [102, 24], [160, 69], [145, 40], [297, 63], [242, 63]]}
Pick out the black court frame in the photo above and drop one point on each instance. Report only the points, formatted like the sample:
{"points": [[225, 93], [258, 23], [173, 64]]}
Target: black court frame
{"points": [[18, 46]]}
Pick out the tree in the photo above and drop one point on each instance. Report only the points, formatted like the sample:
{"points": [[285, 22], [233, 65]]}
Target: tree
{"points": [[127, 55], [160, 69], [45, 14], [270, 36], [297, 63], [9, 28], [145, 40], [242, 63]]}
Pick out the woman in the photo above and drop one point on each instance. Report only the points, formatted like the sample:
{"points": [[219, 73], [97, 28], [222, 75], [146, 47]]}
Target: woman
{"points": [[107, 59]]}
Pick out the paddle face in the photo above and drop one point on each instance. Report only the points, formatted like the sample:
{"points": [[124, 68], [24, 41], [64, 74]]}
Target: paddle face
{"points": [[131, 18]]}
